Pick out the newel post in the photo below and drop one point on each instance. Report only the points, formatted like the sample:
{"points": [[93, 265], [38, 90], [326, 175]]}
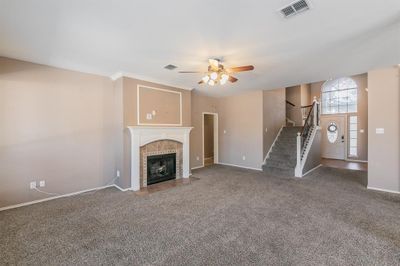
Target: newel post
{"points": [[298, 171]]}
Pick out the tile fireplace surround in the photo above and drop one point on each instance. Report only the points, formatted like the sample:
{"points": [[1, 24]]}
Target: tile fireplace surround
{"points": [[143, 135]]}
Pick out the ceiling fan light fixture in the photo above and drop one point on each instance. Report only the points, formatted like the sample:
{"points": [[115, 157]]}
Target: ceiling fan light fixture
{"points": [[224, 77], [211, 82], [214, 75], [222, 81], [206, 78]]}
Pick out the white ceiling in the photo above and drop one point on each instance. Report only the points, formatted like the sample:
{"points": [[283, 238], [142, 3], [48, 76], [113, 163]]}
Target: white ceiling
{"points": [[334, 38]]}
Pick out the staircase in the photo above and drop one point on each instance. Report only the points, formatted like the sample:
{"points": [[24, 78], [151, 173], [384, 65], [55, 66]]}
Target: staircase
{"points": [[282, 157]]}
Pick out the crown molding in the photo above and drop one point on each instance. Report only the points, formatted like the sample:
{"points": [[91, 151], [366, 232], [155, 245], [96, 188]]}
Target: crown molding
{"points": [[122, 74]]}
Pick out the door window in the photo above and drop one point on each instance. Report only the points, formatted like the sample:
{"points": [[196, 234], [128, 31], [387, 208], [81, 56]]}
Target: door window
{"points": [[353, 130], [332, 132]]}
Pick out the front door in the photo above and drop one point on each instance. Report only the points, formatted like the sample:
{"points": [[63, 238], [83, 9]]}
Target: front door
{"points": [[333, 141]]}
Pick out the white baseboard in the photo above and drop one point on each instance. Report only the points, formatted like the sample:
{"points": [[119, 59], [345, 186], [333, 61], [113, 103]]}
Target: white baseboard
{"points": [[315, 168], [197, 167], [273, 144], [121, 189], [240, 166], [356, 161], [52, 198], [384, 190]]}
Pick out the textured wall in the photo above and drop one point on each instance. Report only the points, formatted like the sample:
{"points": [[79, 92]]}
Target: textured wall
{"points": [[273, 116], [384, 112], [241, 118], [56, 125]]}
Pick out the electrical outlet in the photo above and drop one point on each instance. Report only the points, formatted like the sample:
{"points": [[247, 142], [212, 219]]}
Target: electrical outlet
{"points": [[118, 173], [244, 158], [198, 158], [42, 183], [33, 185], [149, 116]]}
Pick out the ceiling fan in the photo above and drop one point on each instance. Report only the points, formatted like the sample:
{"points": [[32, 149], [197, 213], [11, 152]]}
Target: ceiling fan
{"points": [[218, 74]]}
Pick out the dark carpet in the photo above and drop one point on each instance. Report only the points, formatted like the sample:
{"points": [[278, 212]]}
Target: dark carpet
{"points": [[230, 216]]}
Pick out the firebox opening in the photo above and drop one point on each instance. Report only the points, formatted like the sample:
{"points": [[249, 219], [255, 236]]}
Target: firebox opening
{"points": [[161, 168]]}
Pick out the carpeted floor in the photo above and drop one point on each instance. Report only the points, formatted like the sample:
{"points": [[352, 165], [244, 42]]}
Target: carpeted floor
{"points": [[230, 216]]}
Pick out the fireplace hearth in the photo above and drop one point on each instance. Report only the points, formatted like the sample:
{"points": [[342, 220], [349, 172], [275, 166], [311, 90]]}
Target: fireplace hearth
{"points": [[161, 168]]}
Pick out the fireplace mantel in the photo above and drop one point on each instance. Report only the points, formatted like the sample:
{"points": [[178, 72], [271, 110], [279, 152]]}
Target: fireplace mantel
{"points": [[142, 135]]}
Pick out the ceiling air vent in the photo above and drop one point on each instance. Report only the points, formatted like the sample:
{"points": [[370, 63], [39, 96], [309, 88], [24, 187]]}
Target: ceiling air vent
{"points": [[170, 67], [295, 8]]}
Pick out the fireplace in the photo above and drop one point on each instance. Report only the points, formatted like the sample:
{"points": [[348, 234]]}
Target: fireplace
{"points": [[161, 168], [149, 141]]}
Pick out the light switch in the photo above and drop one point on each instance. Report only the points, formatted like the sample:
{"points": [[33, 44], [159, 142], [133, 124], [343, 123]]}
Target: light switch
{"points": [[380, 131], [224, 131], [149, 116], [361, 130]]}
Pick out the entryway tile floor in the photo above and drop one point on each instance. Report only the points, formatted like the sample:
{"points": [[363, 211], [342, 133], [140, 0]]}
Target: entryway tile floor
{"points": [[345, 164]]}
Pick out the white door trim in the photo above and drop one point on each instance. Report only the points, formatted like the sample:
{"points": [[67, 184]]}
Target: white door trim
{"points": [[215, 135]]}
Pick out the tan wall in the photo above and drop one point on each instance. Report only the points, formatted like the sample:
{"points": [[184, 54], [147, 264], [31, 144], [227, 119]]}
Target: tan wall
{"points": [[384, 112], [241, 117], [167, 115], [164, 115], [362, 111], [200, 104], [273, 116], [305, 91], [293, 95], [56, 125], [314, 155], [164, 106]]}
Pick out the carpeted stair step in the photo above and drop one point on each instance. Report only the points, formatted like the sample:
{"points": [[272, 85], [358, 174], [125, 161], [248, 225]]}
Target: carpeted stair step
{"points": [[283, 157]]}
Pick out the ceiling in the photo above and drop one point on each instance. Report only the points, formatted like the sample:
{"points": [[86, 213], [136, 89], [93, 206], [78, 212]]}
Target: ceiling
{"points": [[334, 38]]}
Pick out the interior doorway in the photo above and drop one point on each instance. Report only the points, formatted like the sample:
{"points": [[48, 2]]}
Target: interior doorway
{"points": [[210, 138], [334, 137]]}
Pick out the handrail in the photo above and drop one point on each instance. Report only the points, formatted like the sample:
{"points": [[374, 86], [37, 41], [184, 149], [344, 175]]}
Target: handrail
{"points": [[292, 104], [307, 119], [306, 106], [303, 106]]}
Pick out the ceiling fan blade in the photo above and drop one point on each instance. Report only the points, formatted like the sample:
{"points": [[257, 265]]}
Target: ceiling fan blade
{"points": [[187, 72], [232, 79], [201, 82], [239, 69]]}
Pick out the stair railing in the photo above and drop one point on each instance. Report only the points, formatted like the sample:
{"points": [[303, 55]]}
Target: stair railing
{"points": [[312, 121], [304, 110]]}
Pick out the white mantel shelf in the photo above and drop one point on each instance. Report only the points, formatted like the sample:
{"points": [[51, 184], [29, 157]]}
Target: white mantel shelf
{"points": [[142, 135]]}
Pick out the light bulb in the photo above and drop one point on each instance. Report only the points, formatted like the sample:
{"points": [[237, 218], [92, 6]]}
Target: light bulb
{"points": [[214, 75], [224, 77], [211, 82], [206, 79], [222, 81]]}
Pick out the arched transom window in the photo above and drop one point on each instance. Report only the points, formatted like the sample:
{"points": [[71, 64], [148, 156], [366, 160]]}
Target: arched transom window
{"points": [[339, 96]]}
